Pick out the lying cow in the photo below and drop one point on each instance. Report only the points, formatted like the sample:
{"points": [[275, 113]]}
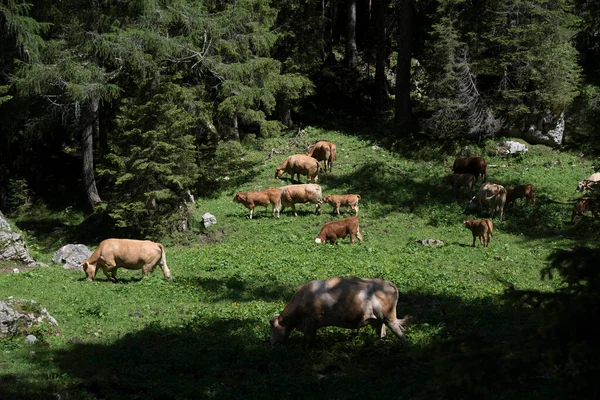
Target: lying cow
{"points": [[300, 194], [331, 231], [260, 198], [589, 183], [343, 302], [524, 192], [471, 165], [482, 229], [300, 164], [490, 196], [112, 254], [585, 204], [324, 151], [341, 200], [460, 181]]}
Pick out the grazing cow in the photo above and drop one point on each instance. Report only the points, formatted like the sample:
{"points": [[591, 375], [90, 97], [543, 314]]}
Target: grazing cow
{"points": [[492, 196], [112, 254], [340, 229], [585, 204], [300, 164], [339, 200], [345, 302], [324, 151], [589, 183], [482, 229], [471, 165], [460, 181], [260, 198], [300, 194], [524, 192]]}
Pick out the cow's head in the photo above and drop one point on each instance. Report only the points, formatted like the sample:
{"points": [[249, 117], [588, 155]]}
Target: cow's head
{"points": [[279, 333], [472, 204], [238, 197], [279, 172], [89, 269], [581, 185]]}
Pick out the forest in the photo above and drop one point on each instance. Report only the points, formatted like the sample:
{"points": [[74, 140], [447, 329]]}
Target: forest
{"points": [[132, 118]]}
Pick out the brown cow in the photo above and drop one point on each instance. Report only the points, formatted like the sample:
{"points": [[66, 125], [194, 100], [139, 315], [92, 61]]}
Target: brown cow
{"points": [[491, 196], [112, 254], [339, 200], [482, 229], [589, 183], [340, 229], [300, 194], [324, 151], [300, 164], [345, 302], [460, 181], [525, 192], [260, 198], [585, 204], [471, 165]]}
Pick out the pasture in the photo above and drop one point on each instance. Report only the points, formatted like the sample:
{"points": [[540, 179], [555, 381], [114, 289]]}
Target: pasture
{"points": [[205, 334]]}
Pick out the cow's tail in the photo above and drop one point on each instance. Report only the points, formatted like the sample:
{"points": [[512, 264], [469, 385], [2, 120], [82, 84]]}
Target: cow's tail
{"points": [[163, 262], [489, 225], [320, 169]]}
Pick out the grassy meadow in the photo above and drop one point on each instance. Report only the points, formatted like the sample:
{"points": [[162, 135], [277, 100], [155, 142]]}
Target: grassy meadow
{"points": [[205, 334]]}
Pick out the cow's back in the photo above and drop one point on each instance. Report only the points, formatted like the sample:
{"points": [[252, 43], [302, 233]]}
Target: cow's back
{"points": [[130, 252]]}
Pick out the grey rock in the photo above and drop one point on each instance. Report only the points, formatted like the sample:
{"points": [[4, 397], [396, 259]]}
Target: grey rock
{"points": [[72, 255], [429, 242], [12, 246], [511, 147], [209, 220], [549, 130], [31, 339], [13, 321]]}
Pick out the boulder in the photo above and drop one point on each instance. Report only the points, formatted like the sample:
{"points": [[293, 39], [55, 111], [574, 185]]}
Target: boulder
{"points": [[72, 255], [430, 242], [15, 317], [549, 130], [209, 219], [12, 246], [511, 147]]}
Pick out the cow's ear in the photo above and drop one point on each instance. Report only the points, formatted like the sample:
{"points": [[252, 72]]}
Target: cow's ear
{"points": [[275, 321]]}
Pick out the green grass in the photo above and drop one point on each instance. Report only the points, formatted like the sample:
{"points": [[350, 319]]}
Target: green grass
{"points": [[204, 334]]}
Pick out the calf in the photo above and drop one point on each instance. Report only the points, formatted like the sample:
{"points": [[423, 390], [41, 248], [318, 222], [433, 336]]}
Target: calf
{"points": [[324, 151], [345, 302], [305, 193], [112, 254], [460, 181], [471, 165], [585, 204], [300, 164], [589, 183], [340, 229], [482, 229], [339, 200], [260, 198], [525, 192], [491, 196]]}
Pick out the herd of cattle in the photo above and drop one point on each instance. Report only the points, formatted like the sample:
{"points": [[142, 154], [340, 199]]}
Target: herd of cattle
{"points": [[346, 302]]}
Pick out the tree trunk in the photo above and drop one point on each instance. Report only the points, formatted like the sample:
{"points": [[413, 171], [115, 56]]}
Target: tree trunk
{"points": [[381, 88], [87, 155], [402, 107], [351, 51]]}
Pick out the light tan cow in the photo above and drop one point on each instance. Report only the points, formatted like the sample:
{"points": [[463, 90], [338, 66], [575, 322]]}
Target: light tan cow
{"points": [[300, 164], [588, 183], [324, 151], [260, 198], [490, 196], [112, 254], [345, 302], [341, 200], [332, 231], [300, 194]]}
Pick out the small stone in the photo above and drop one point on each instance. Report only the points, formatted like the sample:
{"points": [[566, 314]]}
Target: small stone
{"points": [[30, 339]]}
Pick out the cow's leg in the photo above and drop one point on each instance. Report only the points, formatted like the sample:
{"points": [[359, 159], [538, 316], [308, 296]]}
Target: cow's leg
{"points": [[359, 236], [337, 209], [294, 210], [318, 209], [474, 240], [148, 268], [397, 326], [379, 327], [251, 212], [356, 210], [113, 273]]}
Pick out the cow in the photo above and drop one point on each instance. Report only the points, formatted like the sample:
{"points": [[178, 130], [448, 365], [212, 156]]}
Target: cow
{"points": [[300, 194], [525, 192], [482, 229], [331, 231], [589, 183], [112, 254], [300, 164], [471, 165], [492, 196], [260, 198], [324, 151], [345, 302], [585, 204], [460, 181], [340, 200]]}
